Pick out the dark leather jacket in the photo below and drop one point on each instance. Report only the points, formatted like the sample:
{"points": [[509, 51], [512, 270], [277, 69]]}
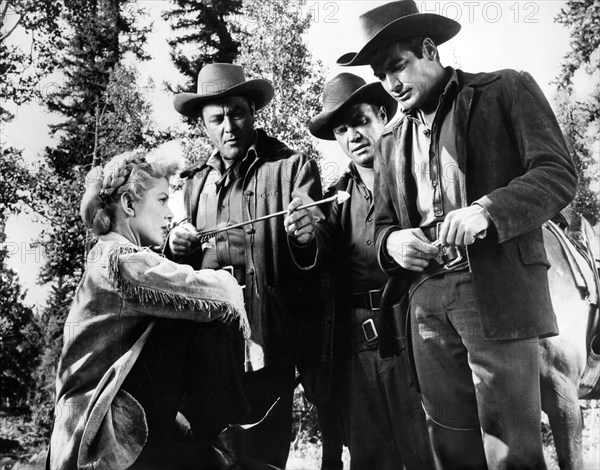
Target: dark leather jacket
{"points": [[517, 166], [277, 292]]}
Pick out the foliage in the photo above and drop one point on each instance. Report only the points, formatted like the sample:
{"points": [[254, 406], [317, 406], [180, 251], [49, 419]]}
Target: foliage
{"points": [[53, 319], [204, 34], [19, 340], [22, 70], [580, 120], [582, 17], [274, 49], [19, 330], [578, 135], [102, 32], [105, 112]]}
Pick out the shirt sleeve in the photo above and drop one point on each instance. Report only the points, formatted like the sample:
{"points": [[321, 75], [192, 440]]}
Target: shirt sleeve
{"points": [[307, 186]]}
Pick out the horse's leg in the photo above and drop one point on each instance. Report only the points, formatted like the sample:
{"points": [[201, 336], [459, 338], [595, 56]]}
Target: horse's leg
{"points": [[560, 402]]}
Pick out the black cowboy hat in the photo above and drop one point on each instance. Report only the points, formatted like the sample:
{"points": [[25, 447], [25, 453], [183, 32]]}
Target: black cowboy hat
{"points": [[396, 21], [341, 91], [219, 80]]}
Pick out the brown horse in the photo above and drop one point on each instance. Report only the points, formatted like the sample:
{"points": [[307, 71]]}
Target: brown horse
{"points": [[564, 357]]}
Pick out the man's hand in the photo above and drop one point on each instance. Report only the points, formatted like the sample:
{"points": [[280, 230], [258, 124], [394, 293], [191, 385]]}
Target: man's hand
{"points": [[411, 249], [299, 224], [183, 240], [462, 226]]}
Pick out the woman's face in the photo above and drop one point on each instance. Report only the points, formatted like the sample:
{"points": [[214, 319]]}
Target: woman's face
{"points": [[150, 222]]}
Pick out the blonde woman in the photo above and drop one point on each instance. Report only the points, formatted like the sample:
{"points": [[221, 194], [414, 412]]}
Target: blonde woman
{"points": [[145, 338]]}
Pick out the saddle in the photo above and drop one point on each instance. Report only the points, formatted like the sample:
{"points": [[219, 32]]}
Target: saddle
{"points": [[575, 237]]}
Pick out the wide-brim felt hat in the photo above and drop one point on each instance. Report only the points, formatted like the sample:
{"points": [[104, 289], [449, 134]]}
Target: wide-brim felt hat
{"points": [[344, 90], [216, 81], [398, 21]]}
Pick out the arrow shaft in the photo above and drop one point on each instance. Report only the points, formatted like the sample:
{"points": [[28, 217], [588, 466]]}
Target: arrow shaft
{"points": [[210, 233]]}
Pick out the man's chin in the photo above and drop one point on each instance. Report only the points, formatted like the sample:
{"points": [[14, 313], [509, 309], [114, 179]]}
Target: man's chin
{"points": [[232, 153], [365, 160]]}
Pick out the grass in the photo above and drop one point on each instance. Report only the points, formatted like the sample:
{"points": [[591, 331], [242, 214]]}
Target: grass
{"points": [[22, 448]]}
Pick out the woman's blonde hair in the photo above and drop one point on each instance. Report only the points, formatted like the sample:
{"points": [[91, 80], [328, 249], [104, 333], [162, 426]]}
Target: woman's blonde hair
{"points": [[127, 172]]}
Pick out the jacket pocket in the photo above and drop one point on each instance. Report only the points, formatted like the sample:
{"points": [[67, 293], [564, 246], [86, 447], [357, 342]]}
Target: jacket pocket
{"points": [[533, 252]]}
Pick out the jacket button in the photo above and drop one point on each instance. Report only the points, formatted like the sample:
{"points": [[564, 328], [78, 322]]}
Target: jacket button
{"points": [[250, 272], [250, 231], [248, 193], [369, 242], [427, 132], [370, 219]]}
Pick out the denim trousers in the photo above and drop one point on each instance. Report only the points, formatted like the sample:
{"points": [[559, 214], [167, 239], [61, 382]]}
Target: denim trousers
{"points": [[385, 423], [481, 398]]}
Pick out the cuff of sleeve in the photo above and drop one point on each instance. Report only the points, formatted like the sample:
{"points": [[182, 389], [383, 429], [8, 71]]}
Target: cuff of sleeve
{"points": [[386, 262], [485, 203], [305, 256]]}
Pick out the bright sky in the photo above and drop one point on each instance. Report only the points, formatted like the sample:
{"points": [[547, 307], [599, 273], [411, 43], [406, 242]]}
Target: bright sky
{"points": [[494, 35]]}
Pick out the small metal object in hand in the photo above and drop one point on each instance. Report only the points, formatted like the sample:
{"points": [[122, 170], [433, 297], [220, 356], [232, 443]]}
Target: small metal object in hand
{"points": [[450, 255]]}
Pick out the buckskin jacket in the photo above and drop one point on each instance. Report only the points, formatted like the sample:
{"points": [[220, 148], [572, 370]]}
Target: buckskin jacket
{"points": [[278, 295], [124, 288], [517, 166]]}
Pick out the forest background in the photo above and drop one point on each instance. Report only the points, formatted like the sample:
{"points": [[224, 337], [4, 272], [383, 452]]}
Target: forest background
{"points": [[82, 80]]}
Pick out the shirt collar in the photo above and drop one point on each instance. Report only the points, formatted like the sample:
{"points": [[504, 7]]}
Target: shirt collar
{"points": [[216, 162], [355, 175]]}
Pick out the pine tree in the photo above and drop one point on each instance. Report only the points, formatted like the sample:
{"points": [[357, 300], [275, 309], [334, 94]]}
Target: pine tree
{"points": [[20, 71], [19, 329], [204, 34], [275, 50], [21, 68]]}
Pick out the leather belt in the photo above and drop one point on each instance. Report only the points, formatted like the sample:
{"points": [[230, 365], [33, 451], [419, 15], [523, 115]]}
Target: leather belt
{"points": [[450, 257], [239, 272], [365, 334], [370, 299]]}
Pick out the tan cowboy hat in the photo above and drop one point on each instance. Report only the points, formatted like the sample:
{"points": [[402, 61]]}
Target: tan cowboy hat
{"points": [[217, 81], [395, 21], [343, 90]]}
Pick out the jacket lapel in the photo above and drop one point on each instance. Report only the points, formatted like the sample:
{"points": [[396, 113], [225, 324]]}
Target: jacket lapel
{"points": [[461, 119], [194, 196], [409, 215]]}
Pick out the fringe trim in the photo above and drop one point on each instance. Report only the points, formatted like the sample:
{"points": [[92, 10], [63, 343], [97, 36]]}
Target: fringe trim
{"points": [[179, 301]]}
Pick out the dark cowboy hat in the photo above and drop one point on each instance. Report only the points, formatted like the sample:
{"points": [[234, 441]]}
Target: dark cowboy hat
{"points": [[396, 21], [344, 90], [216, 81]]}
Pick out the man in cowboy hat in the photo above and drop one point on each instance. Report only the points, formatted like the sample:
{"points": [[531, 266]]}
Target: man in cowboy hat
{"points": [[476, 164], [250, 174], [383, 421]]}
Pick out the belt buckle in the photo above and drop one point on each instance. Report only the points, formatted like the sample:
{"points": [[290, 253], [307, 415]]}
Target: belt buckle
{"points": [[371, 292], [369, 330], [450, 255]]}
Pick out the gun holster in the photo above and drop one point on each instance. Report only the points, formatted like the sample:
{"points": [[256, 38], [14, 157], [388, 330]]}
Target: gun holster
{"points": [[395, 336]]}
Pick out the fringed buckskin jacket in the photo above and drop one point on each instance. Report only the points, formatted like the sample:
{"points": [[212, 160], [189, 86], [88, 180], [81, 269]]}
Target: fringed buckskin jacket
{"points": [[123, 290]]}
